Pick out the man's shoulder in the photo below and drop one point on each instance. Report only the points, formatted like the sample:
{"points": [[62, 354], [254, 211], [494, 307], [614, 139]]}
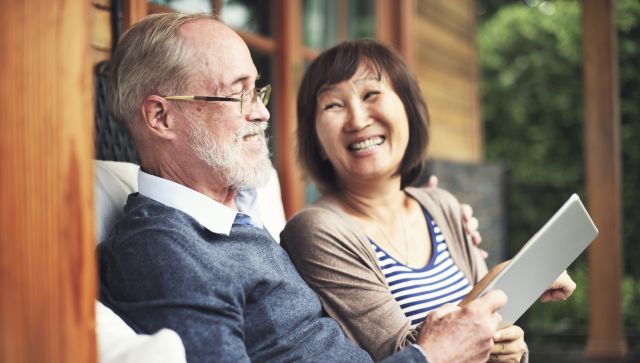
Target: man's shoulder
{"points": [[149, 224]]}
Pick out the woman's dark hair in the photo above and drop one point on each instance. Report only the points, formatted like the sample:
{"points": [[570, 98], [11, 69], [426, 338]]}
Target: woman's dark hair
{"points": [[338, 64]]}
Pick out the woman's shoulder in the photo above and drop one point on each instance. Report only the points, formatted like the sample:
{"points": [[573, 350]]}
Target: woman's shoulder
{"points": [[428, 196], [320, 214], [319, 225]]}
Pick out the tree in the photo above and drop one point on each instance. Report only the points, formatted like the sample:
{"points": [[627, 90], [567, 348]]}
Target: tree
{"points": [[531, 66]]}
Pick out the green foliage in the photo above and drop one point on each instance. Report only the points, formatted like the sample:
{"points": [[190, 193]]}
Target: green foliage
{"points": [[628, 22], [531, 61], [532, 105]]}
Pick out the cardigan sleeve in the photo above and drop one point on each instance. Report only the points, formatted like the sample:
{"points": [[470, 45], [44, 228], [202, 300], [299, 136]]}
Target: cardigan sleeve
{"points": [[335, 263]]}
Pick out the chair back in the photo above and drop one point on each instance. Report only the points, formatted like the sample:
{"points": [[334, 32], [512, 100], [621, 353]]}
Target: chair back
{"points": [[112, 141]]}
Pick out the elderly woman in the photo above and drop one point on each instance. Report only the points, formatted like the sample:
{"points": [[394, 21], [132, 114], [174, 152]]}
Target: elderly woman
{"points": [[380, 254]]}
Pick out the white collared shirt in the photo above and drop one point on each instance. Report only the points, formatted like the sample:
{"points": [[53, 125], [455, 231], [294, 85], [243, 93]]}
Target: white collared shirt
{"points": [[211, 214]]}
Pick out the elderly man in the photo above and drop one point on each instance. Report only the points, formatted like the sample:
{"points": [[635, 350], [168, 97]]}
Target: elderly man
{"points": [[183, 256]]}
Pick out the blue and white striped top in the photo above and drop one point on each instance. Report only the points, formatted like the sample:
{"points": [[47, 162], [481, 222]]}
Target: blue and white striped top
{"points": [[418, 291]]}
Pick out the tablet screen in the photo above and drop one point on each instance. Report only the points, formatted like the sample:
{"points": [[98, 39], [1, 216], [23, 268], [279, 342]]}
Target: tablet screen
{"points": [[543, 258]]}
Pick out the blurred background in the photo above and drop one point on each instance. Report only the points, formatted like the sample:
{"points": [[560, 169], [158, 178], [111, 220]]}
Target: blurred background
{"points": [[530, 101], [503, 80]]}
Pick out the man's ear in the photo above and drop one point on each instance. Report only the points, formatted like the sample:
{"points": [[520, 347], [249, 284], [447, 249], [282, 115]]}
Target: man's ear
{"points": [[156, 113]]}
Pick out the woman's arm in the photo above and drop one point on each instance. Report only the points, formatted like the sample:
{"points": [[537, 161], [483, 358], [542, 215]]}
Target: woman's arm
{"points": [[337, 263]]}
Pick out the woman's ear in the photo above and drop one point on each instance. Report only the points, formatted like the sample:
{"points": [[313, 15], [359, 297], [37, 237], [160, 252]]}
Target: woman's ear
{"points": [[156, 114]]}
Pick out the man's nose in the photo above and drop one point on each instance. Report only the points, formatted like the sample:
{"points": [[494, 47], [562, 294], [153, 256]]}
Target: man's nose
{"points": [[259, 113]]}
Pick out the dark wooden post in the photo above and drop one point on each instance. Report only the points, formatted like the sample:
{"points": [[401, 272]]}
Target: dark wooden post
{"points": [[132, 12], [395, 26], [289, 68], [603, 161]]}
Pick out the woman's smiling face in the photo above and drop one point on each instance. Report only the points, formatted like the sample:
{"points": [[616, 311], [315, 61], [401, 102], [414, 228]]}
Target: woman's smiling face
{"points": [[362, 127]]}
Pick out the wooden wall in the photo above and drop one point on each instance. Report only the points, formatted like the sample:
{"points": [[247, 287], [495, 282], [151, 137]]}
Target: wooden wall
{"points": [[447, 69], [101, 35], [47, 236]]}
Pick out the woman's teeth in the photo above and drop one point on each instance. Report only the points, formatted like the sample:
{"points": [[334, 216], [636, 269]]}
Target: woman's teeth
{"points": [[367, 144]]}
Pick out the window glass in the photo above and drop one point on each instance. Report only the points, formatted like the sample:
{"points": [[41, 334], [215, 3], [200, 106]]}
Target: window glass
{"points": [[186, 6], [320, 24], [361, 19], [247, 15]]}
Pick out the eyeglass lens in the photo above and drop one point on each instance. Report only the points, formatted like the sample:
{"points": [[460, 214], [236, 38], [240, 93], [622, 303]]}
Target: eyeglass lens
{"points": [[249, 100]]}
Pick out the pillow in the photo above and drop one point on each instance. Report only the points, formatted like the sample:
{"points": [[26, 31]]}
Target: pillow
{"points": [[118, 343], [270, 209], [114, 181]]}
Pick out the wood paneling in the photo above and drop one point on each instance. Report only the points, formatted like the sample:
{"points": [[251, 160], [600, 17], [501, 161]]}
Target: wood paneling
{"points": [[101, 28], [452, 139], [447, 71], [603, 162], [100, 55], [101, 32], [451, 15], [444, 46], [47, 260], [105, 4], [457, 92]]}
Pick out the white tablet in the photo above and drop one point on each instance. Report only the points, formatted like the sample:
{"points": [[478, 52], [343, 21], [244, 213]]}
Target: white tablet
{"points": [[543, 258]]}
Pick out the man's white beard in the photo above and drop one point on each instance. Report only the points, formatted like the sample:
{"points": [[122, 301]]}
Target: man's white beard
{"points": [[227, 157]]}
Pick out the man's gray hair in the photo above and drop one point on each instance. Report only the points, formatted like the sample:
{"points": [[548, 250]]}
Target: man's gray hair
{"points": [[151, 58]]}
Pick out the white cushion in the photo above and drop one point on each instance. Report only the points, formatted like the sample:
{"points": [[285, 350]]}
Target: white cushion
{"points": [[118, 343], [270, 206], [114, 181]]}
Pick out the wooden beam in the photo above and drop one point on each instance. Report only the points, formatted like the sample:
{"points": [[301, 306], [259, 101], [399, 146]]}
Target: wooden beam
{"points": [[216, 5], [384, 27], [289, 68], [132, 12], [47, 235], [258, 42], [342, 19], [405, 33], [603, 164], [395, 26]]}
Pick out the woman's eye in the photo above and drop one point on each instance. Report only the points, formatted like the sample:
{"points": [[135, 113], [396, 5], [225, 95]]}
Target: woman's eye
{"points": [[330, 106], [370, 94]]}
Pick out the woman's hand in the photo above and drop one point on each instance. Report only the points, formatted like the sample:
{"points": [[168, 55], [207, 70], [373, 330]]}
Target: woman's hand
{"points": [[509, 345], [560, 289]]}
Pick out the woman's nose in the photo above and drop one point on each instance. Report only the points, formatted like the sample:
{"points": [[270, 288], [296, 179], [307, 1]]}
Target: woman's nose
{"points": [[357, 117]]}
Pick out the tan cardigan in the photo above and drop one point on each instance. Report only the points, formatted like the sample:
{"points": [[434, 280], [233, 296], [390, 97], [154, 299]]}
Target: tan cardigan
{"points": [[336, 259]]}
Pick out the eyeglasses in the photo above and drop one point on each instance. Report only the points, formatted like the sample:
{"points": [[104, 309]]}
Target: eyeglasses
{"points": [[247, 99]]}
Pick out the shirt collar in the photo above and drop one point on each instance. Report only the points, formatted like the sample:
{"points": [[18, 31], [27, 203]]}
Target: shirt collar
{"points": [[211, 214]]}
